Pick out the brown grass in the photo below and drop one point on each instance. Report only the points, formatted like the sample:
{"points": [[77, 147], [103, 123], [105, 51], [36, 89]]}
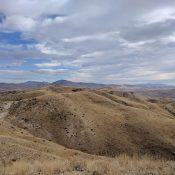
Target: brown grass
{"points": [[97, 122], [105, 123], [122, 165]]}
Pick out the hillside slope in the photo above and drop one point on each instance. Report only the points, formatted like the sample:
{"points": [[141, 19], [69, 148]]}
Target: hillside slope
{"points": [[23, 154], [96, 121]]}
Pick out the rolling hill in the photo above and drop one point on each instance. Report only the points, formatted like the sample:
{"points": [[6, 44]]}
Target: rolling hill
{"points": [[79, 130], [96, 121]]}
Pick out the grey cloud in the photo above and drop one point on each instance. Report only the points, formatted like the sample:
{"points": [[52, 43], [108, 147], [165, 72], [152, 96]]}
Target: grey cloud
{"points": [[146, 32], [75, 32]]}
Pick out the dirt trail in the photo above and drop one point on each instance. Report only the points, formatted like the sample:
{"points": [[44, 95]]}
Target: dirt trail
{"points": [[5, 108]]}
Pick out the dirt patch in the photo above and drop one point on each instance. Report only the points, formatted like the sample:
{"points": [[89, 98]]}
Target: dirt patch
{"points": [[5, 109]]}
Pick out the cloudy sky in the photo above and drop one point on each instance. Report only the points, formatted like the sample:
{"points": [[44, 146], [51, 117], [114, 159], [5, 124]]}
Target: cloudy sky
{"points": [[103, 41]]}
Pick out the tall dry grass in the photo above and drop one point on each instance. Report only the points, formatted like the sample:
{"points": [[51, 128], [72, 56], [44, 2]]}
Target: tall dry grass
{"points": [[122, 165]]}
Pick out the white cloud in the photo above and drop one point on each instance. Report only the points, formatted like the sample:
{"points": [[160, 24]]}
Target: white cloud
{"points": [[93, 54], [32, 8], [18, 23], [159, 15], [82, 77], [169, 39], [98, 36], [50, 71], [164, 76], [48, 64], [48, 22], [135, 44], [49, 50]]}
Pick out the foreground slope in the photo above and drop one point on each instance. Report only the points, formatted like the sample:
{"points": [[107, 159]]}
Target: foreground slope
{"points": [[101, 122], [23, 154]]}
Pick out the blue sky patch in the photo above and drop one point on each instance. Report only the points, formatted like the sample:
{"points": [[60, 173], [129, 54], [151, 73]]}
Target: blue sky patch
{"points": [[15, 38], [2, 17]]}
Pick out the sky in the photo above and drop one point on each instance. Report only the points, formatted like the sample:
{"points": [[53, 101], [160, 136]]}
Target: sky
{"points": [[102, 41]]}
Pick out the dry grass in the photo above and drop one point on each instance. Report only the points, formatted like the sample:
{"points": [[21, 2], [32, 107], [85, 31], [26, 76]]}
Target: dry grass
{"points": [[122, 165], [104, 124], [136, 124]]}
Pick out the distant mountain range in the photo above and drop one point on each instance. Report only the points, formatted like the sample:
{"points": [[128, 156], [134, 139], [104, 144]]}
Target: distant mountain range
{"points": [[21, 86], [80, 84], [148, 86], [36, 85]]}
